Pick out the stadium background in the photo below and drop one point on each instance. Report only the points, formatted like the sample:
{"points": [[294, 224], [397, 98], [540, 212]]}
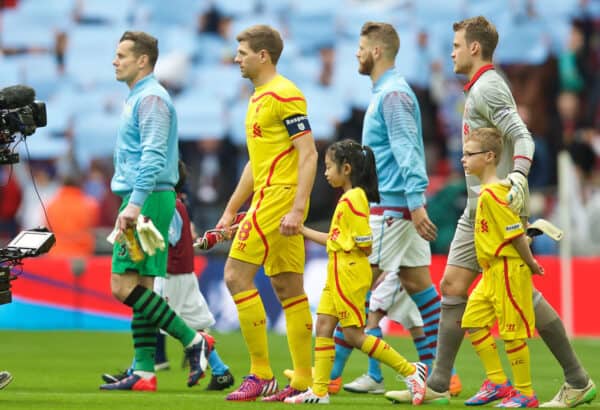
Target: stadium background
{"points": [[549, 51]]}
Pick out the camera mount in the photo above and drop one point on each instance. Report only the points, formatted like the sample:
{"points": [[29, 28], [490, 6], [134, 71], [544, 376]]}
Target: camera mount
{"points": [[26, 244]]}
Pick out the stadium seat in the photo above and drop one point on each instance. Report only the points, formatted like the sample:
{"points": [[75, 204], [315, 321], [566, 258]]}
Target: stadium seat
{"points": [[46, 13], [94, 136], [43, 146], [311, 30], [222, 80], [524, 40], [325, 109], [118, 13], [10, 72], [200, 115], [236, 8], [173, 12], [36, 34]]}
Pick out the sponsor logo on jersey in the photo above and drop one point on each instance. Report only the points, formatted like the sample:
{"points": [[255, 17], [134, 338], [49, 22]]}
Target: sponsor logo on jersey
{"points": [[513, 227]]}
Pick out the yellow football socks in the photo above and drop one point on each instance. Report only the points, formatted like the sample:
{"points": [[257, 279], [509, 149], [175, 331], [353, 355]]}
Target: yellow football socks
{"points": [[380, 350], [324, 358], [253, 324], [298, 322], [518, 356], [485, 346]]}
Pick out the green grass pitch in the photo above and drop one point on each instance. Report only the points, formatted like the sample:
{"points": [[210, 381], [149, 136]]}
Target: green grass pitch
{"points": [[61, 370]]}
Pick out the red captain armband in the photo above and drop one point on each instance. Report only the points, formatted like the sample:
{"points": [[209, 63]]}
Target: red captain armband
{"points": [[296, 124]]}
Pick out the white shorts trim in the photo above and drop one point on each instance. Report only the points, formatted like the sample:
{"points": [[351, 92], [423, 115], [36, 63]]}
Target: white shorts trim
{"points": [[182, 293], [397, 243]]}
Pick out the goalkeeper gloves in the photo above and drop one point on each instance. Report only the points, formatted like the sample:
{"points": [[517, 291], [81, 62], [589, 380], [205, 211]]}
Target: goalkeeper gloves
{"points": [[150, 238], [541, 226], [215, 236], [518, 188], [136, 251]]}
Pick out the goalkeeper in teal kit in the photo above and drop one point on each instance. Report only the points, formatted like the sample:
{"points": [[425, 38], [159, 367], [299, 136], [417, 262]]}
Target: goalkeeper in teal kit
{"points": [[145, 161]]}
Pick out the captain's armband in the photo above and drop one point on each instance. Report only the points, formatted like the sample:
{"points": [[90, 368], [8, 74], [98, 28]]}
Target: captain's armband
{"points": [[296, 124]]}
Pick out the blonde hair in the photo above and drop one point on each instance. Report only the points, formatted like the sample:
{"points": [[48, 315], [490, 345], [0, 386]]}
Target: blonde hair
{"points": [[263, 37], [383, 33], [490, 140], [481, 30]]}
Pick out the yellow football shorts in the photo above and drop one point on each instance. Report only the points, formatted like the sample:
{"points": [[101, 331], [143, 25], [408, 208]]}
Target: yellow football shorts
{"points": [[258, 240]]}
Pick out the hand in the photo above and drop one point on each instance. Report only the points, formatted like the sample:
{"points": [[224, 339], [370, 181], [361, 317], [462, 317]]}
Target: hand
{"points": [[229, 226], [226, 220], [209, 239], [536, 268], [518, 187], [291, 223], [128, 217], [425, 228]]}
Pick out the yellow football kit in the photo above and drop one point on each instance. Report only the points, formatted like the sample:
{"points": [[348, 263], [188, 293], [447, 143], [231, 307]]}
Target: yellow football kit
{"points": [[505, 289], [276, 116], [349, 274]]}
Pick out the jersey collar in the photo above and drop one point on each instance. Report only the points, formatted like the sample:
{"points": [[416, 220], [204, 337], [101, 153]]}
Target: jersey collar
{"points": [[478, 74], [384, 77]]}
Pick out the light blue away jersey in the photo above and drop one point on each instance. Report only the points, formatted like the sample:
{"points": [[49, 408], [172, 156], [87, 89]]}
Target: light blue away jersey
{"points": [[392, 128]]}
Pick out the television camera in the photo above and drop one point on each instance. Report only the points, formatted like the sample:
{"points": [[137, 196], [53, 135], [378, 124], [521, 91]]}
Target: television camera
{"points": [[26, 244], [21, 114]]}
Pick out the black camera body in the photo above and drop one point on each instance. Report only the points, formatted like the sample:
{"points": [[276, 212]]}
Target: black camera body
{"points": [[19, 114], [27, 244], [5, 293]]}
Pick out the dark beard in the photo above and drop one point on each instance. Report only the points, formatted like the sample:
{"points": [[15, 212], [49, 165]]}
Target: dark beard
{"points": [[367, 67]]}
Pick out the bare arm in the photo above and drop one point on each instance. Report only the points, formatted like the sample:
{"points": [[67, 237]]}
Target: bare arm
{"points": [[242, 192], [521, 244], [307, 169], [313, 235]]}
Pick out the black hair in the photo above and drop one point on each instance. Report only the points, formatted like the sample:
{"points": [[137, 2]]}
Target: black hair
{"points": [[362, 161], [182, 177]]}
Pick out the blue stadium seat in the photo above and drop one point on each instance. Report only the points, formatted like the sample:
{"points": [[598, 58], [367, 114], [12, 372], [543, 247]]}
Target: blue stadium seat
{"points": [[10, 72], [311, 30], [118, 12], [447, 11], [22, 29], [349, 20], [43, 146], [181, 39], [523, 41], [241, 23], [91, 52], [237, 122], [200, 115], [47, 13], [316, 6], [326, 108], [173, 12], [212, 49], [557, 8], [224, 81], [95, 136], [236, 8], [279, 7], [40, 72]]}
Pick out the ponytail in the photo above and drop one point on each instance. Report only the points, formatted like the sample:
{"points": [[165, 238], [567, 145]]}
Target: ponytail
{"points": [[362, 161]]}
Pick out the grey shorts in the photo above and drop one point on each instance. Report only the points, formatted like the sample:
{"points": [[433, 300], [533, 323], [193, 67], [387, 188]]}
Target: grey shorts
{"points": [[462, 249]]}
